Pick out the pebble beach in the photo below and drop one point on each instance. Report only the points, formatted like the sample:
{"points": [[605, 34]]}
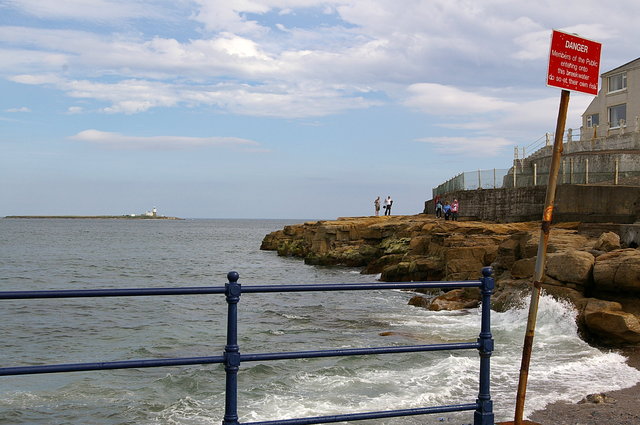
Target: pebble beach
{"points": [[620, 407]]}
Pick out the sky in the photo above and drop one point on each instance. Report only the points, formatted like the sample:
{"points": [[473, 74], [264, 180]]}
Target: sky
{"points": [[298, 109]]}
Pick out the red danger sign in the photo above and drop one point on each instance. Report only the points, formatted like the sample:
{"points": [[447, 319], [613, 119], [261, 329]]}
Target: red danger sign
{"points": [[574, 63]]}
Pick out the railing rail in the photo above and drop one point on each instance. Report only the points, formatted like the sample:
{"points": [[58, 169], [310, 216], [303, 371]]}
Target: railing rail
{"points": [[232, 358], [472, 180]]}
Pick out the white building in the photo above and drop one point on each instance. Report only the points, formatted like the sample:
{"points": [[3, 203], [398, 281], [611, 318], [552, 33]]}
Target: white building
{"points": [[616, 109]]}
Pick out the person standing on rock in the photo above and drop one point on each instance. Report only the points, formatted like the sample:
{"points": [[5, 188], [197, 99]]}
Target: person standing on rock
{"points": [[387, 205], [446, 209], [376, 204], [454, 210], [439, 209]]}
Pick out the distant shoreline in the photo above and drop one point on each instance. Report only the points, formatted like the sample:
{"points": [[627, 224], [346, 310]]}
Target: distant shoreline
{"points": [[119, 217]]}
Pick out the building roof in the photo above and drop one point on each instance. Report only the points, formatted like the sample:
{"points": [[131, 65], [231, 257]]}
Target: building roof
{"points": [[632, 64]]}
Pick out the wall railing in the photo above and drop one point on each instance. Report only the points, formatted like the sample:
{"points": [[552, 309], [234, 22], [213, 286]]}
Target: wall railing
{"points": [[232, 358], [531, 165], [472, 180]]}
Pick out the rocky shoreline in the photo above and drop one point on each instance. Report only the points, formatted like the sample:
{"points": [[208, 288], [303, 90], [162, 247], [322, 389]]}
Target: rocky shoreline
{"points": [[586, 263]]}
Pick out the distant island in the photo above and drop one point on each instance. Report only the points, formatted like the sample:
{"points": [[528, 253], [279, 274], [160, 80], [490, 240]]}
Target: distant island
{"points": [[123, 217], [149, 215]]}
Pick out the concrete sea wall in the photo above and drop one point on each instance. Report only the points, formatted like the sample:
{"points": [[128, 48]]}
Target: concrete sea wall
{"points": [[584, 203]]}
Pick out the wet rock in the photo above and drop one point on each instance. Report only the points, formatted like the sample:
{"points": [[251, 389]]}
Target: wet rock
{"points": [[618, 271], [419, 301], [419, 245], [379, 264], [508, 253], [608, 241], [457, 299], [606, 321], [597, 399], [570, 266], [463, 263], [510, 293], [523, 268], [581, 262], [564, 293], [416, 269], [395, 246]]}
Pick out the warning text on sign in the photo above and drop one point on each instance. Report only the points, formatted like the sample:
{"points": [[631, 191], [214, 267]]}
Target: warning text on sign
{"points": [[574, 63]]}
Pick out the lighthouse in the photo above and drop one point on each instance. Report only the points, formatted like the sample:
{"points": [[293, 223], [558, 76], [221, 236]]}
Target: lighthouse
{"points": [[154, 212]]}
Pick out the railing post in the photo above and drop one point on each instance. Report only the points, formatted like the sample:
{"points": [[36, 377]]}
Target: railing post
{"points": [[571, 170], [586, 171], [484, 413], [232, 350]]}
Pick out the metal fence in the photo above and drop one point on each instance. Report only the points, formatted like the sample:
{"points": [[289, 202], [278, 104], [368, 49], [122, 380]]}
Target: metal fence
{"points": [[579, 170], [471, 180], [530, 169], [232, 357], [570, 135]]}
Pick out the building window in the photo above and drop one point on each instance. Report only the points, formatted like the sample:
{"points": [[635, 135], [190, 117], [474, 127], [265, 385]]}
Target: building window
{"points": [[618, 82], [593, 120], [617, 115]]}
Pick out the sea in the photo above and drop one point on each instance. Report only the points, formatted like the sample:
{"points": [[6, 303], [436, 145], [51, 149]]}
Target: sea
{"points": [[39, 254]]}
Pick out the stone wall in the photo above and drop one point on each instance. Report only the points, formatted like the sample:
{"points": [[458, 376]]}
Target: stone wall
{"points": [[584, 203]]}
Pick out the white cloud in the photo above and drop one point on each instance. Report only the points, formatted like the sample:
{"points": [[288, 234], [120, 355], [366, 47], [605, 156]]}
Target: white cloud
{"points": [[231, 15], [535, 45], [523, 124], [438, 99], [95, 10], [277, 100], [128, 97], [226, 16], [467, 146], [20, 109], [121, 141], [238, 62], [37, 79]]}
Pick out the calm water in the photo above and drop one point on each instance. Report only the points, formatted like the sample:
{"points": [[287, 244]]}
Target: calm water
{"points": [[88, 254]]}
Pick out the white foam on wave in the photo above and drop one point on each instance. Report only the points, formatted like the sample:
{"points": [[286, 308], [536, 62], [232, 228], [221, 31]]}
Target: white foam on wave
{"points": [[186, 411], [294, 316], [563, 367], [450, 380]]}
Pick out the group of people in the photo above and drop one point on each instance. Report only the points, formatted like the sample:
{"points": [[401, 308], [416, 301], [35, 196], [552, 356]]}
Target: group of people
{"points": [[387, 205], [447, 210]]}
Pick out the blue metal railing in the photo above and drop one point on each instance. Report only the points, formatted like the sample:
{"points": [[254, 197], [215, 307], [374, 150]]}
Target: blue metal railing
{"points": [[232, 358]]}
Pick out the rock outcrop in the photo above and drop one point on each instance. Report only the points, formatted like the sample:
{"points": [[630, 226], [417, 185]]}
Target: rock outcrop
{"points": [[587, 265], [618, 271]]}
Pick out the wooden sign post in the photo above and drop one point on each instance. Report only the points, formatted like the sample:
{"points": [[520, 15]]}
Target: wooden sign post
{"points": [[574, 64]]}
